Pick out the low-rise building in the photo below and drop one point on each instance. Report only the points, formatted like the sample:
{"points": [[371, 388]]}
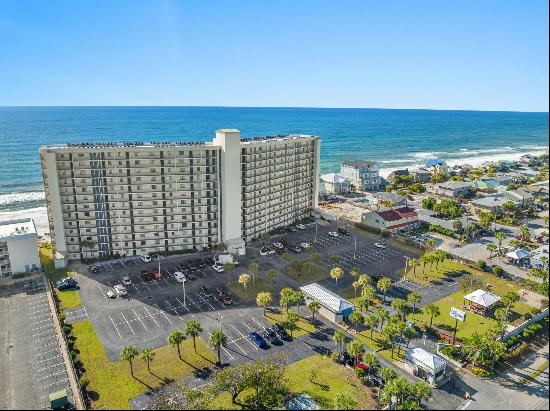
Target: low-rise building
{"points": [[420, 175], [396, 219], [524, 197], [493, 203], [383, 198], [436, 165], [397, 173], [481, 302], [18, 247], [540, 257], [486, 185], [365, 175], [428, 366], [333, 307], [452, 189], [334, 183]]}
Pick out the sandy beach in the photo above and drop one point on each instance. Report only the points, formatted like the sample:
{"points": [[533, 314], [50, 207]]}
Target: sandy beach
{"points": [[38, 214]]}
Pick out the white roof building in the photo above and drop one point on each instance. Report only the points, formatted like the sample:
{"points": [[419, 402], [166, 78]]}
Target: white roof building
{"points": [[429, 360], [518, 254], [333, 307], [18, 247], [482, 298]]}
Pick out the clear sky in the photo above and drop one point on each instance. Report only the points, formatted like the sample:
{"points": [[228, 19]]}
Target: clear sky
{"points": [[479, 55]]}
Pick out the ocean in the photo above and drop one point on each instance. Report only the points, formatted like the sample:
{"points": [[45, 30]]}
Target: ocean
{"points": [[393, 138]]}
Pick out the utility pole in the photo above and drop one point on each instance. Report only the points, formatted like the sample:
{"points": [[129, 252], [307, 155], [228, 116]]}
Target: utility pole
{"points": [[183, 283]]}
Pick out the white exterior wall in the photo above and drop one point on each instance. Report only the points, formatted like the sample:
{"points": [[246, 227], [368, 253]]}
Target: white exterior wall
{"points": [[53, 197], [23, 254], [373, 220]]}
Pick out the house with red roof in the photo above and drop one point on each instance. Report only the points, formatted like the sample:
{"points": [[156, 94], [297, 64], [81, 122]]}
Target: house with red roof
{"points": [[391, 219]]}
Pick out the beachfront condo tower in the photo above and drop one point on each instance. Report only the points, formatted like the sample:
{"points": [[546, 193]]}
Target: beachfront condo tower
{"points": [[110, 199]]}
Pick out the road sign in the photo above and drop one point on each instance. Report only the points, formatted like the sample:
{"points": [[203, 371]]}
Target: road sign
{"points": [[457, 314]]}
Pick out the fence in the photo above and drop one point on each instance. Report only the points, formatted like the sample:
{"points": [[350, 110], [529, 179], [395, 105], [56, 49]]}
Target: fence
{"points": [[522, 326]]}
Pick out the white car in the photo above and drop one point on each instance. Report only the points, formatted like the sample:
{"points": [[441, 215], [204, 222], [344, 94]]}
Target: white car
{"points": [[300, 227], [266, 251], [333, 233], [145, 258], [126, 280], [111, 294], [120, 290], [218, 268], [278, 245], [305, 245], [380, 245], [180, 277]]}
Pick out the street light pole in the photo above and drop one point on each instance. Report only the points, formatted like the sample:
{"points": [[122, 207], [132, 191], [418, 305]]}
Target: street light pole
{"points": [[315, 232], [406, 266], [355, 246], [184, 301], [220, 320]]}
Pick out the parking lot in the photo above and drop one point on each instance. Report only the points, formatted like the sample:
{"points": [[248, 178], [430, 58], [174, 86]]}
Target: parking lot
{"points": [[31, 362]]}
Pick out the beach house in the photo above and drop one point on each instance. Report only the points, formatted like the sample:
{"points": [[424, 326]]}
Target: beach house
{"points": [[436, 165], [452, 189], [333, 183], [364, 175]]}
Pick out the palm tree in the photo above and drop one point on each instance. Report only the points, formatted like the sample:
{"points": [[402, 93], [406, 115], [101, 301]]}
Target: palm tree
{"points": [[334, 259], [148, 355], [217, 340], [335, 274], [229, 268], [253, 268], [356, 317], [354, 272], [286, 297], [382, 315], [193, 329], [413, 299], [263, 299], [355, 347], [421, 391], [525, 234], [491, 247], [291, 321], [500, 236], [272, 276], [400, 306], [314, 307], [244, 279], [414, 262], [384, 285], [128, 353], [339, 339], [175, 339], [431, 244], [371, 321], [355, 285], [368, 293], [433, 311], [371, 362]]}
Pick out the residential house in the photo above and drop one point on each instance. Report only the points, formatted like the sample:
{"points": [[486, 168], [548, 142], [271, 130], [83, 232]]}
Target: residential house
{"points": [[487, 185], [420, 175], [395, 219], [381, 198], [365, 175], [453, 189], [333, 183], [520, 195], [493, 203], [540, 257], [437, 166]]}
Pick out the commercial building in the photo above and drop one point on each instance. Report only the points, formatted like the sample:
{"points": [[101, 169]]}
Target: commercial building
{"points": [[135, 198], [428, 366], [18, 247], [333, 307], [396, 219], [364, 175]]}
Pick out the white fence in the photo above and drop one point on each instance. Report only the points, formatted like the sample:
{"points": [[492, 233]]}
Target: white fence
{"points": [[522, 326]]}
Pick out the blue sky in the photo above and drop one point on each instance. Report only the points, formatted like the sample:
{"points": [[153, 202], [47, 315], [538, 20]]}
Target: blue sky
{"points": [[478, 55]]}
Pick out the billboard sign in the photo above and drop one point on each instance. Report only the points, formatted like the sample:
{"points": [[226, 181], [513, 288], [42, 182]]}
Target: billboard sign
{"points": [[457, 314]]}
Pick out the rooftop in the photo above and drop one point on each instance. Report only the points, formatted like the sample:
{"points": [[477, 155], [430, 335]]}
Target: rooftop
{"points": [[358, 163], [434, 162], [17, 229], [326, 297], [483, 298], [334, 178], [397, 214], [493, 201], [453, 185], [426, 358]]}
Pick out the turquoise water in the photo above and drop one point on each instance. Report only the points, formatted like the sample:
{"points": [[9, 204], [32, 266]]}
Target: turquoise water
{"points": [[394, 138]]}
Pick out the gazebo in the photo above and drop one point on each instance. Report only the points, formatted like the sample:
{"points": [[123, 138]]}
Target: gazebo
{"points": [[481, 302], [518, 254]]}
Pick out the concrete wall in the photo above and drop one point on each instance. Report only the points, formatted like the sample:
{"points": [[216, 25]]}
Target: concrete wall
{"points": [[54, 206], [373, 220], [24, 252], [522, 326]]}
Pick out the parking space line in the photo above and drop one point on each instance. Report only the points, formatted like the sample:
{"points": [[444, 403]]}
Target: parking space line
{"points": [[49, 359], [52, 375], [116, 328], [206, 301], [234, 341], [163, 313], [247, 326], [181, 304], [102, 293], [225, 350], [140, 320], [51, 366], [45, 352], [173, 309], [263, 327], [236, 329], [150, 315], [131, 329]]}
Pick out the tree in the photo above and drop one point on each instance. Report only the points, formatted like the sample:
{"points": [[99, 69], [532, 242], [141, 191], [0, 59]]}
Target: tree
{"points": [[400, 306], [229, 268], [286, 297], [264, 299], [429, 203], [500, 236], [398, 388], [413, 299], [371, 322], [491, 247], [525, 234], [356, 317], [253, 268], [355, 347], [355, 285], [354, 272], [371, 362], [363, 280], [193, 328], [314, 307], [431, 244], [433, 311], [291, 321], [368, 293], [336, 273], [457, 225], [414, 262], [409, 334], [339, 339], [389, 336], [421, 391], [509, 299], [382, 315], [272, 276], [265, 238], [334, 259], [387, 374], [384, 285], [244, 279], [128, 353], [175, 339], [148, 355], [344, 401], [217, 340]]}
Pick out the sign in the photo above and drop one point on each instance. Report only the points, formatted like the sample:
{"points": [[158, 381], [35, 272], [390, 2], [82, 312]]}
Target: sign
{"points": [[457, 314], [360, 361]]}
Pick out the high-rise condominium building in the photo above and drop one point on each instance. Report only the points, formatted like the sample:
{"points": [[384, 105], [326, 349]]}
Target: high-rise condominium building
{"points": [[134, 198]]}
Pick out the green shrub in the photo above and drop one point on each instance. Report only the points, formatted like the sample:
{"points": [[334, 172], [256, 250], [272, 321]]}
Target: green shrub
{"points": [[67, 329], [84, 382], [481, 372]]}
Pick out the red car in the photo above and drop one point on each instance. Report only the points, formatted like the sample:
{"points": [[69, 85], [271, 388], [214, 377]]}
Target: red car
{"points": [[224, 298]]}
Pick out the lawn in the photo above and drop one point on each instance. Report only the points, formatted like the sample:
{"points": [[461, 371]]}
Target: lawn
{"points": [[45, 252], [349, 294], [252, 289], [68, 299], [374, 344], [437, 273], [303, 325], [306, 272], [111, 385]]}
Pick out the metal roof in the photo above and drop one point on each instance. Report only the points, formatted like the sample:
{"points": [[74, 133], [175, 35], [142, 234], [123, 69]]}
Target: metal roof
{"points": [[429, 360], [483, 298], [326, 298]]}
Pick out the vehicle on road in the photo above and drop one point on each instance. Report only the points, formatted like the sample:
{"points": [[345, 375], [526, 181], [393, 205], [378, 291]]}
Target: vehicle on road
{"points": [[270, 336], [380, 245], [205, 292], [126, 280], [120, 290], [224, 298], [180, 277], [257, 339], [266, 251], [343, 231], [333, 233], [218, 268], [280, 331], [145, 258], [111, 294]]}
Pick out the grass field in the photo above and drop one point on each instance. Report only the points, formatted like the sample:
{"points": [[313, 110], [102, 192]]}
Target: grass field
{"points": [[303, 325], [374, 344], [252, 289], [68, 299], [45, 252], [306, 272], [111, 385], [433, 273]]}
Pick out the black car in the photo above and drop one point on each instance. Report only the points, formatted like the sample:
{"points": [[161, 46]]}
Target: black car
{"points": [[66, 284], [343, 231], [280, 331], [271, 337], [203, 263], [205, 292]]}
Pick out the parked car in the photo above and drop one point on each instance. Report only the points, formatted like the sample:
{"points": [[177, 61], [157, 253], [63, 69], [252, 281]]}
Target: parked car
{"points": [[111, 294], [126, 280], [66, 283], [145, 276], [333, 233], [257, 339], [278, 245], [145, 258], [305, 245], [205, 292], [224, 298], [218, 268], [300, 226], [343, 231], [291, 228], [93, 269], [296, 248], [180, 277], [280, 331], [380, 245], [270, 336], [266, 251], [120, 290]]}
